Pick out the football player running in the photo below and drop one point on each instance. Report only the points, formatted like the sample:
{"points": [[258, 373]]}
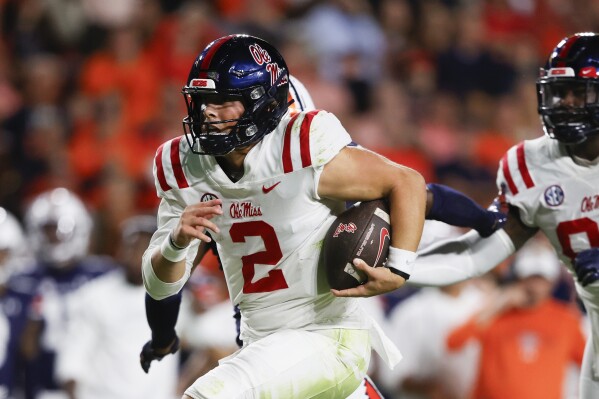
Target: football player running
{"points": [[551, 184], [267, 184], [162, 314]]}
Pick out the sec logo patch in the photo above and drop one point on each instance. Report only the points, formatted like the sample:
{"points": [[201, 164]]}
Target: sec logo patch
{"points": [[208, 196], [554, 195]]}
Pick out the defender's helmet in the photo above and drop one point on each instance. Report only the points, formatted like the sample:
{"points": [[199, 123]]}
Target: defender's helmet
{"points": [[568, 89], [12, 245], [11, 234], [235, 67], [58, 227]]}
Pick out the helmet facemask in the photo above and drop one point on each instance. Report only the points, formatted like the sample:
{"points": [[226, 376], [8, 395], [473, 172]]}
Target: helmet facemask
{"points": [[568, 89], [262, 113], [569, 108], [235, 67]]}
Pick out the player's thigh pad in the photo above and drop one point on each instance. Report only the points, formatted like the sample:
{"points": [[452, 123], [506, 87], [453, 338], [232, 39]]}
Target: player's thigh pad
{"points": [[290, 364]]}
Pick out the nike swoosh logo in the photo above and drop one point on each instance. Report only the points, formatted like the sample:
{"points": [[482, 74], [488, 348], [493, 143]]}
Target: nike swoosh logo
{"points": [[267, 190], [383, 235], [588, 71]]}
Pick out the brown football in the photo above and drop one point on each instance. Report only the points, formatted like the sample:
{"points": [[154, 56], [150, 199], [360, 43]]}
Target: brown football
{"points": [[361, 231]]}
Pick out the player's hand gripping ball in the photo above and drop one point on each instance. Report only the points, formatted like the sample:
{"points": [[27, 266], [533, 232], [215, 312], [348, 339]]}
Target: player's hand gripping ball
{"points": [[362, 231]]}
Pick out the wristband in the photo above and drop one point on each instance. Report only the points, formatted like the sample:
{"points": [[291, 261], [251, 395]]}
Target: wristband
{"points": [[171, 252], [173, 243], [401, 261]]}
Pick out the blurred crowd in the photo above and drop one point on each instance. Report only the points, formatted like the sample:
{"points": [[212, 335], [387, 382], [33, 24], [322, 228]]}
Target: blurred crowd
{"points": [[89, 89]]}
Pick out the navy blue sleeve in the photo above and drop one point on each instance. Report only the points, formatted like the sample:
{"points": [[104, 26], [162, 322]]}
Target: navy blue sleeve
{"points": [[162, 317], [455, 208]]}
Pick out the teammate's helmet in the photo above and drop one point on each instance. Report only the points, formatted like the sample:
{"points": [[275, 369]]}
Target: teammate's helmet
{"points": [[58, 227], [568, 89], [235, 67]]}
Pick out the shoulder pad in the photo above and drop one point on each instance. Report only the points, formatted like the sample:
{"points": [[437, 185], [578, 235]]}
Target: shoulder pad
{"points": [[168, 171], [311, 139], [514, 169]]}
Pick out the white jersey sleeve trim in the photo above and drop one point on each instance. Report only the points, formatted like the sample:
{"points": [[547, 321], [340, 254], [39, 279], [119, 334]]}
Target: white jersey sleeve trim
{"points": [[311, 140], [299, 93], [168, 169], [514, 170], [168, 212], [157, 288], [455, 260]]}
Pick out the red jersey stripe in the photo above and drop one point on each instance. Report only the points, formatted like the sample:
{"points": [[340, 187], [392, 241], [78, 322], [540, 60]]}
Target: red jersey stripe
{"points": [[522, 166], [371, 391], [508, 176], [176, 164], [160, 170], [305, 138], [286, 157]]}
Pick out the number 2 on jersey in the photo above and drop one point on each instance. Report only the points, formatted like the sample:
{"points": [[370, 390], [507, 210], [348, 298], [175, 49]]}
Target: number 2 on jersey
{"points": [[271, 255]]}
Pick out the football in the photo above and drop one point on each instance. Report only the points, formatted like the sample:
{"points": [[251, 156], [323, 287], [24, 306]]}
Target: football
{"points": [[361, 231]]}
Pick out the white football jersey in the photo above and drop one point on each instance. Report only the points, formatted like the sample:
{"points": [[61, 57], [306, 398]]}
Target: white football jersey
{"points": [[302, 101], [553, 193], [273, 224]]}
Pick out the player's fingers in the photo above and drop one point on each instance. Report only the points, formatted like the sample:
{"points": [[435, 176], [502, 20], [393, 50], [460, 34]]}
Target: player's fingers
{"points": [[202, 235], [198, 232], [204, 223], [194, 231], [212, 202], [206, 211], [363, 266], [358, 291]]}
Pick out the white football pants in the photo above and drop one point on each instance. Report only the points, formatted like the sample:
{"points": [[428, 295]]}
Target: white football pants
{"points": [[290, 364]]}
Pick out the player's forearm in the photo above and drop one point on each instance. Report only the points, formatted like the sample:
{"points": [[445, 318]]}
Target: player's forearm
{"points": [[162, 317], [163, 277], [455, 208], [166, 270], [408, 207]]}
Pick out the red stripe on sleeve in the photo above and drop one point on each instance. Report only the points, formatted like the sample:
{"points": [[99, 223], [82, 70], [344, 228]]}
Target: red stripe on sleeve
{"points": [[305, 138], [286, 157], [508, 176], [160, 170], [176, 163], [522, 166]]}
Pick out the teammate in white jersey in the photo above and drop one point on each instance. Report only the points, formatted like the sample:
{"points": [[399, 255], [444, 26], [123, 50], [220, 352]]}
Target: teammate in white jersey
{"points": [[552, 185], [267, 184]]}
